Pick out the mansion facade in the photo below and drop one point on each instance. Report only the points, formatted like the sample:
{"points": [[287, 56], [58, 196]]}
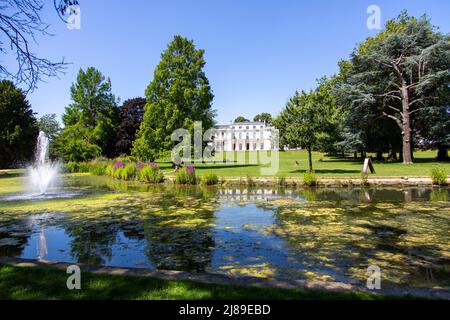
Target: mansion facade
{"points": [[245, 136]]}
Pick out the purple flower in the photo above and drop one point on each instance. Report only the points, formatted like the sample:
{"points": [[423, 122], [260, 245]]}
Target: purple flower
{"points": [[190, 169], [153, 164], [139, 165], [117, 165]]}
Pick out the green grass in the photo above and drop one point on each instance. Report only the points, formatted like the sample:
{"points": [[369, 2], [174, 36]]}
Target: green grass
{"points": [[44, 283], [323, 166]]}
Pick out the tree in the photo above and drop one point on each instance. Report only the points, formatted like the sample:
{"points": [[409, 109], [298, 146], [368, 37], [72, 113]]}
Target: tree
{"points": [[18, 128], [240, 119], [178, 95], [90, 119], [20, 22], [49, 125], [130, 118], [307, 120], [75, 143], [401, 72], [264, 117]]}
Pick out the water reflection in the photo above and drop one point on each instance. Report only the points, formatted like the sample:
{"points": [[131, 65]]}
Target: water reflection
{"points": [[321, 234]]}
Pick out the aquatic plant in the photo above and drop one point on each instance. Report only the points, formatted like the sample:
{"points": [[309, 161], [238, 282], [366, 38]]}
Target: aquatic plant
{"points": [[128, 172], [151, 173], [117, 165], [97, 168], [210, 179], [186, 176], [309, 178], [439, 176]]}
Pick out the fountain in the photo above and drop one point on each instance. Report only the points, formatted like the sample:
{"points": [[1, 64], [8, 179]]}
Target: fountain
{"points": [[44, 172]]}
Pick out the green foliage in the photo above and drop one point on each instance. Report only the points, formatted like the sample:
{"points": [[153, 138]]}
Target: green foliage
{"points": [[439, 176], [309, 178], [90, 119], [241, 119], [210, 178], [178, 95], [186, 176], [151, 174], [438, 195], [129, 172], [118, 173], [76, 167], [50, 125], [311, 120], [264, 117], [97, 168], [397, 84], [18, 128], [74, 144], [109, 170]]}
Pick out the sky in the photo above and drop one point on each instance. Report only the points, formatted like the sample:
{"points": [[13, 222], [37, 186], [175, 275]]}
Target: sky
{"points": [[257, 52]]}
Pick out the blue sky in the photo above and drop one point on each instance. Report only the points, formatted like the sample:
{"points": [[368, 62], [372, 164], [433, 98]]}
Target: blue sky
{"points": [[258, 52]]}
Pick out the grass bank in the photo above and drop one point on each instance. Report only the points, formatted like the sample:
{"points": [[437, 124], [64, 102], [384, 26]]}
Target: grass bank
{"points": [[43, 283]]}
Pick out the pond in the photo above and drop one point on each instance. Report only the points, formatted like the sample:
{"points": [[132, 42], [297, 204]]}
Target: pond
{"points": [[306, 234]]}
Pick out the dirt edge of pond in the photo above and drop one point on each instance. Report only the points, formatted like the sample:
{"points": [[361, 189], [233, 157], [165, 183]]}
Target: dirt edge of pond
{"points": [[211, 278]]}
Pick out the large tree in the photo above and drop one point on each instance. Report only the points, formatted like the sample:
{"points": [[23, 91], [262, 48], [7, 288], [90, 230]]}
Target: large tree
{"points": [[50, 125], [402, 71], [308, 120], [90, 119], [18, 127], [178, 95], [130, 118]]}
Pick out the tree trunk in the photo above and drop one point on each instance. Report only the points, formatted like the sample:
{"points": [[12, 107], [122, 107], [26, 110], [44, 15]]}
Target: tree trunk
{"points": [[310, 159], [380, 155], [442, 154], [406, 125]]}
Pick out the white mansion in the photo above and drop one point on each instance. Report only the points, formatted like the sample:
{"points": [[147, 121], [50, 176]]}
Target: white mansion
{"points": [[245, 136]]}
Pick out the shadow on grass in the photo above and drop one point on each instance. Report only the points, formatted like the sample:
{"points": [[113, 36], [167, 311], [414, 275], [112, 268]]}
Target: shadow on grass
{"points": [[11, 175], [40, 283], [326, 171]]}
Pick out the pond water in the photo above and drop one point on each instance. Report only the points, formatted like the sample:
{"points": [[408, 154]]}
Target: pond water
{"points": [[315, 234]]}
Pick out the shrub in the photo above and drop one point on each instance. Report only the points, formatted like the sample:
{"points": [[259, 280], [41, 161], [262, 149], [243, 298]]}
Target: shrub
{"points": [[151, 173], [128, 172], [70, 166], [109, 170], [439, 176], [97, 168], [83, 167], [186, 176], [309, 178], [118, 173], [210, 179]]}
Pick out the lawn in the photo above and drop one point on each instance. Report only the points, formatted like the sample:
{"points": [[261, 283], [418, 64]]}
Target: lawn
{"points": [[44, 283], [324, 166]]}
